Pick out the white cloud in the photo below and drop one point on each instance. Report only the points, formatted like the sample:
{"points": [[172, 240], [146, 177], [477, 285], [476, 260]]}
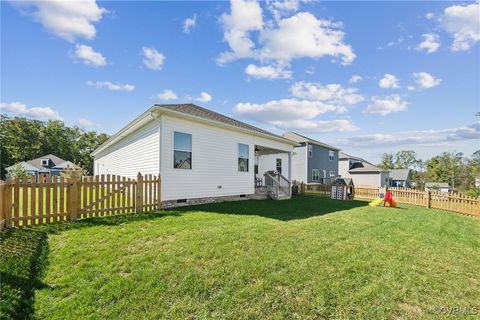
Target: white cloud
{"points": [[331, 93], [152, 58], [463, 23], [268, 72], [355, 78], [317, 126], [293, 114], [425, 80], [305, 36], [245, 16], [21, 109], [111, 86], [167, 94], [280, 8], [189, 23], [204, 97], [66, 19], [390, 104], [83, 122], [429, 15], [430, 43], [389, 81], [299, 36], [420, 137], [89, 56]]}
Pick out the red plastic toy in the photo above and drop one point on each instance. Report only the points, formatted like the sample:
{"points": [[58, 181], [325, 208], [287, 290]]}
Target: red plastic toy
{"points": [[389, 199]]}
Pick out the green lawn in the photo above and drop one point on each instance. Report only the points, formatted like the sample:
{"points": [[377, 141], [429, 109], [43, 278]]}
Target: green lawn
{"points": [[309, 257]]}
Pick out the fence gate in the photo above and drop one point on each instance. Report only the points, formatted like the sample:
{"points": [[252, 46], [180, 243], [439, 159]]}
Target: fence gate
{"points": [[26, 202]]}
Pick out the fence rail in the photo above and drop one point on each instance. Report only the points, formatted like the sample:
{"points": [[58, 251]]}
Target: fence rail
{"points": [[27, 202], [437, 200]]}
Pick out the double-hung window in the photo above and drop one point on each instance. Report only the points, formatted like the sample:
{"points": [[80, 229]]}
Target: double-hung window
{"points": [[279, 166], [332, 174], [331, 155], [315, 175], [243, 156], [182, 150], [310, 150]]}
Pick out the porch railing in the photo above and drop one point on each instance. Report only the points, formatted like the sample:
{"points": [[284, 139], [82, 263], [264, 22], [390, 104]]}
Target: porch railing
{"points": [[277, 185]]}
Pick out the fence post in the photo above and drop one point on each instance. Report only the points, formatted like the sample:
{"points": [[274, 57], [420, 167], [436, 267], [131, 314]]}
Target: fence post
{"points": [[73, 198], [139, 193], [429, 198], [159, 189], [302, 188], [3, 207], [8, 203]]}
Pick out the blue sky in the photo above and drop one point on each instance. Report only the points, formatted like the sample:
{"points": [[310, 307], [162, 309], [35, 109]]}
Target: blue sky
{"points": [[369, 77]]}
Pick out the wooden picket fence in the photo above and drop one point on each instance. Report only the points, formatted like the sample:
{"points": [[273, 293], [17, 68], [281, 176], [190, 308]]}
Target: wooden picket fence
{"points": [[437, 200], [26, 202], [316, 188]]}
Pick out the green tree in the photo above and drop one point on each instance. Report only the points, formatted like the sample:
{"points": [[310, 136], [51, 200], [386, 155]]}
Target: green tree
{"points": [[406, 159], [24, 139], [18, 171], [387, 161]]}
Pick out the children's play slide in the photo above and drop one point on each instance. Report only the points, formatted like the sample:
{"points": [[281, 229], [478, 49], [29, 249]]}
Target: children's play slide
{"points": [[376, 202], [387, 198]]}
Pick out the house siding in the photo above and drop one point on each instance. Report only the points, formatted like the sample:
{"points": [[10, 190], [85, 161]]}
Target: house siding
{"points": [[320, 160], [138, 152], [214, 170], [299, 160], [269, 162]]}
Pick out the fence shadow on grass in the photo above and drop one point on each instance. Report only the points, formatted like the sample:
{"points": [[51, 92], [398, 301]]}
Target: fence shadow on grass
{"points": [[23, 260], [299, 207]]}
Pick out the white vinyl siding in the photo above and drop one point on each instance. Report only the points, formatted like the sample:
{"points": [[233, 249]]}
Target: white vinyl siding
{"points": [[268, 162], [137, 152], [299, 164], [215, 162]]}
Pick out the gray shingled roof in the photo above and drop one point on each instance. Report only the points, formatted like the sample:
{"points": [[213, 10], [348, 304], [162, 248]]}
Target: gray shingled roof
{"points": [[301, 138], [437, 185], [366, 167], [197, 111], [399, 174], [54, 160]]}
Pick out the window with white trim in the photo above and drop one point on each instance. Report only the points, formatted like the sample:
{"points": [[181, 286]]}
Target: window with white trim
{"points": [[279, 165], [332, 174], [44, 162], [331, 155], [310, 150], [182, 150], [243, 157], [315, 175]]}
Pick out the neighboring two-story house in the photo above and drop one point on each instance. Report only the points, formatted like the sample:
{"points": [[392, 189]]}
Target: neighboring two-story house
{"points": [[361, 171], [313, 161]]}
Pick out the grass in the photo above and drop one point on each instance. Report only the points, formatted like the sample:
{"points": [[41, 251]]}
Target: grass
{"points": [[309, 257]]}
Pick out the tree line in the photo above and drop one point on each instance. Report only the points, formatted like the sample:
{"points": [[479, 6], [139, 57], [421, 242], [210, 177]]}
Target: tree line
{"points": [[454, 168], [24, 139]]}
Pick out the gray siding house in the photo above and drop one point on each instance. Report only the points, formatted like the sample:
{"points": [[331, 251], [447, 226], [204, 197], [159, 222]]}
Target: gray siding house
{"points": [[313, 161], [400, 178]]}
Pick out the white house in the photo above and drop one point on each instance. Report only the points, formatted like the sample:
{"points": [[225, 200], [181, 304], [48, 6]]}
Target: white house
{"points": [[361, 171], [201, 155], [437, 187]]}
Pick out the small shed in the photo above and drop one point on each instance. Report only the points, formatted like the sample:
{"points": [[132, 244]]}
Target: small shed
{"points": [[343, 189]]}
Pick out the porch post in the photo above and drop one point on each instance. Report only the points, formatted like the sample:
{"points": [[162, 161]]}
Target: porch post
{"points": [[290, 166]]}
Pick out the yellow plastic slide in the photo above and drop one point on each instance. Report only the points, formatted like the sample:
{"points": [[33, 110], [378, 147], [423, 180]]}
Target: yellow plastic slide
{"points": [[376, 202]]}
